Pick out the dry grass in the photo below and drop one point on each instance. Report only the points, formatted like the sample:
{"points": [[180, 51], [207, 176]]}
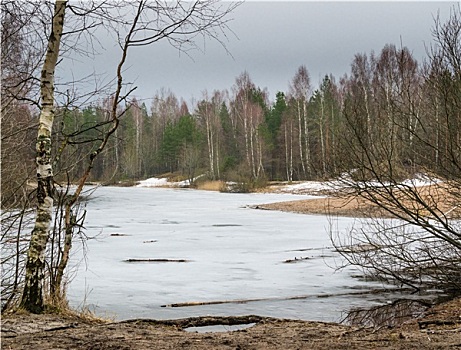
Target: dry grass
{"points": [[211, 185], [60, 306]]}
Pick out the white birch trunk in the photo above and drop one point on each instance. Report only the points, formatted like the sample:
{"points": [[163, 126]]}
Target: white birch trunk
{"points": [[300, 140], [32, 298], [247, 143], [217, 157], [322, 137], [307, 150], [286, 154], [138, 141], [209, 134], [260, 155], [437, 134], [291, 151], [368, 126], [212, 157], [252, 148]]}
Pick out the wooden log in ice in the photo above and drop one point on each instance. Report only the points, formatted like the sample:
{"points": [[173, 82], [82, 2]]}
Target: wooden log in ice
{"points": [[157, 260]]}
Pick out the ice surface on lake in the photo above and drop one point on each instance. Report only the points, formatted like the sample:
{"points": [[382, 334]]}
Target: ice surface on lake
{"points": [[233, 253]]}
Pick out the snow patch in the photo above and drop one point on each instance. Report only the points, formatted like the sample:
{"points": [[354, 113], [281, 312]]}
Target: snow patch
{"points": [[163, 182], [312, 187], [421, 180], [153, 182], [345, 181]]}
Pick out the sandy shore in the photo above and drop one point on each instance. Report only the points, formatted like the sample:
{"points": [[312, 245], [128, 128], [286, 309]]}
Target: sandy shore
{"points": [[341, 203]]}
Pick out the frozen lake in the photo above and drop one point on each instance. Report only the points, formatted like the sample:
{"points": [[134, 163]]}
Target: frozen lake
{"points": [[232, 252]]}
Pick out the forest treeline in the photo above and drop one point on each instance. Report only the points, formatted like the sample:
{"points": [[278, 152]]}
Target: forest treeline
{"points": [[389, 104]]}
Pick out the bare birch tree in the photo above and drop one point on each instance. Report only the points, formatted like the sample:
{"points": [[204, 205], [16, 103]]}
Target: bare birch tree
{"points": [[144, 23], [32, 298], [422, 247], [300, 90], [208, 110]]}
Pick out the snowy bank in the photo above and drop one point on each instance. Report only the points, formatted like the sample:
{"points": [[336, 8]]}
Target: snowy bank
{"points": [[153, 182], [163, 182], [345, 182], [306, 187]]}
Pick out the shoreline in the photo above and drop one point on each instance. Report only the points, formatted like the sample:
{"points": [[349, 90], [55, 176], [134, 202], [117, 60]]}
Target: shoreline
{"points": [[437, 328]]}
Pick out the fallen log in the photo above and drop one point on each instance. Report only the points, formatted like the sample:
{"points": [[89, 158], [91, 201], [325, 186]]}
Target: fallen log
{"points": [[157, 260], [295, 260], [298, 297], [204, 321], [214, 302]]}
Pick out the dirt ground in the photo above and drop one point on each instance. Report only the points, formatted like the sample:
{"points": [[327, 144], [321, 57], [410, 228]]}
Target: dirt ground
{"points": [[437, 328]]}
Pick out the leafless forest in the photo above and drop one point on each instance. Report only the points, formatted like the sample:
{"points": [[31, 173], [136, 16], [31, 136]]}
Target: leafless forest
{"points": [[388, 118]]}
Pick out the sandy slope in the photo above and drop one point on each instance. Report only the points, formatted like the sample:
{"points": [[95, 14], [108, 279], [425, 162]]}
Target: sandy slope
{"points": [[341, 203]]}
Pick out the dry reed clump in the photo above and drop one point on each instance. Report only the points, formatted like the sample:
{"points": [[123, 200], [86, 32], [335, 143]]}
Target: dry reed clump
{"points": [[60, 306], [215, 185]]}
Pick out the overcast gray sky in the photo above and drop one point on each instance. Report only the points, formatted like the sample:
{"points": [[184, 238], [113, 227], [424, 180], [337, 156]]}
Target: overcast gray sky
{"points": [[272, 40]]}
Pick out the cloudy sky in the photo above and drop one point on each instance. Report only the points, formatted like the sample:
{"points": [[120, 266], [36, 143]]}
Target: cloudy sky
{"points": [[272, 39]]}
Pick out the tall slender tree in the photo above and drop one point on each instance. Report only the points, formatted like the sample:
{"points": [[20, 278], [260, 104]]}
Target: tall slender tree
{"points": [[300, 88], [32, 298], [179, 23]]}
